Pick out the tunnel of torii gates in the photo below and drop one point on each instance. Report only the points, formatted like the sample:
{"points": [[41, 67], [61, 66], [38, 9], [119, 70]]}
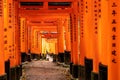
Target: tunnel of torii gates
{"points": [[82, 33]]}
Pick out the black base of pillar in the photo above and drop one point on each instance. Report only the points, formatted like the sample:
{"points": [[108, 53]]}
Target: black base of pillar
{"points": [[81, 73], [88, 68], [18, 72], [40, 56], [29, 57], [3, 77], [13, 73], [94, 76], [23, 57], [54, 57], [36, 56], [67, 57], [75, 71], [61, 57], [43, 56], [71, 66], [7, 69], [32, 56], [103, 72]]}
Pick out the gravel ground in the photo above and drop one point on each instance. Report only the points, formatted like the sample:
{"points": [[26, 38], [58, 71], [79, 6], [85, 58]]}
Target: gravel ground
{"points": [[44, 70]]}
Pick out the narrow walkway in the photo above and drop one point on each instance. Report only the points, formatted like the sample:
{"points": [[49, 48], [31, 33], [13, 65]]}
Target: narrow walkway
{"points": [[45, 70]]}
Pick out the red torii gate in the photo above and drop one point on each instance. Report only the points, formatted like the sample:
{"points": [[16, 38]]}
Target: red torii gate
{"points": [[71, 11]]}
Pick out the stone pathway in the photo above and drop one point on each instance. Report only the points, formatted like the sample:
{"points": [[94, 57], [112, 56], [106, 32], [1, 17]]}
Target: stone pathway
{"points": [[44, 70]]}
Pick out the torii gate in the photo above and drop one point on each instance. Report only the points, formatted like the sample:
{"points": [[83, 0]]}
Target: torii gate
{"points": [[36, 29], [100, 28], [72, 11], [11, 39]]}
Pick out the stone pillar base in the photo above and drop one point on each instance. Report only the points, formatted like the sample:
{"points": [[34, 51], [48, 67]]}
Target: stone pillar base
{"points": [[67, 57], [23, 57], [81, 72], [3, 77], [18, 72], [75, 71], [94, 76], [7, 69], [29, 57], [13, 74], [54, 57], [88, 68], [103, 72], [36, 56], [61, 57]]}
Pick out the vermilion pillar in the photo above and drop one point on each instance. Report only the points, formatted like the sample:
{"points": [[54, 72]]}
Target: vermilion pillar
{"points": [[35, 42], [28, 41], [10, 33], [29, 38], [40, 43], [34, 39], [16, 33], [104, 39], [88, 25], [5, 11], [74, 39], [60, 40], [56, 48], [95, 34], [82, 43], [17, 40], [113, 55], [10, 48], [67, 40], [71, 58], [26, 37], [56, 52], [23, 36], [9, 39], [2, 60], [37, 37]]}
